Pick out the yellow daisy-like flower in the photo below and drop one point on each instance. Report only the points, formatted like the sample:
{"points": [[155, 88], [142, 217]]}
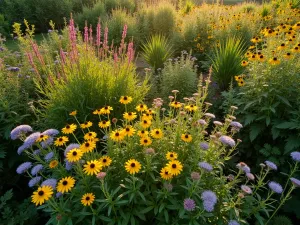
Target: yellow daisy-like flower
{"points": [[157, 133], [244, 63], [141, 108], [256, 40], [106, 110], [296, 49], [274, 61], [65, 184], [69, 129], [191, 108], [61, 141], [164, 174], [186, 137], [87, 199], [97, 112], [104, 124], [132, 166], [288, 55], [175, 104], [88, 146], [117, 135], [53, 164], [145, 141], [74, 113], [145, 123], [261, 58], [142, 133], [87, 124], [129, 116], [150, 111], [92, 167], [252, 57], [281, 47], [174, 167], [42, 137], [129, 131], [171, 155], [74, 155], [41, 195], [147, 116], [105, 161], [241, 83], [90, 135], [125, 100]]}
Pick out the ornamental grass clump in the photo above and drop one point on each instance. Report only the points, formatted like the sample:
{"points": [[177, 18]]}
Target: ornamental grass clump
{"points": [[159, 164]]}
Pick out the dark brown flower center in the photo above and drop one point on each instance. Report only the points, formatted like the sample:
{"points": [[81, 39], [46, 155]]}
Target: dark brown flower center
{"points": [[65, 182], [132, 165], [104, 160], [145, 141], [87, 198], [117, 134], [130, 114], [74, 153], [60, 139], [68, 127], [157, 132], [145, 122], [87, 144], [92, 166], [166, 172], [127, 129], [41, 193], [105, 107], [171, 155], [186, 136], [174, 166], [125, 98]]}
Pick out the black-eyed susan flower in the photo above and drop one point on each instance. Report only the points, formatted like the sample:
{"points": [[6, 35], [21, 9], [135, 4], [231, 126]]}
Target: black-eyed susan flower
{"points": [[74, 155], [142, 133], [65, 184], [132, 166], [147, 116], [128, 131], [42, 137], [296, 49], [150, 111], [171, 155], [60, 141], [164, 174], [241, 83], [106, 110], [141, 108], [104, 124], [288, 55], [146, 141], [256, 40], [156, 133], [41, 195], [105, 161], [252, 58], [69, 129], [87, 124], [174, 167], [90, 135], [97, 112], [191, 108], [74, 113], [274, 61], [92, 167], [53, 164], [261, 58], [175, 104], [88, 146], [117, 135], [282, 46], [145, 123], [129, 116], [125, 100], [87, 199], [186, 137], [244, 63]]}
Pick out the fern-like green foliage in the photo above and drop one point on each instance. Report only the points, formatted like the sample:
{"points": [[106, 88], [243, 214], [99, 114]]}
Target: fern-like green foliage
{"points": [[226, 61], [179, 74], [13, 213], [156, 51], [281, 220]]}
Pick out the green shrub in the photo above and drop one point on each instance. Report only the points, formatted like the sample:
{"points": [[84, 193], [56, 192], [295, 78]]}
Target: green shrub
{"points": [[179, 74], [226, 61], [118, 19], [91, 15], [4, 26], [156, 50]]}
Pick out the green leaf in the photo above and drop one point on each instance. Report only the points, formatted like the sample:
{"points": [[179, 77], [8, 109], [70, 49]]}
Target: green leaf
{"points": [[255, 130], [94, 220], [132, 220], [284, 100], [292, 142], [287, 125], [148, 209], [166, 214], [104, 218], [275, 133]]}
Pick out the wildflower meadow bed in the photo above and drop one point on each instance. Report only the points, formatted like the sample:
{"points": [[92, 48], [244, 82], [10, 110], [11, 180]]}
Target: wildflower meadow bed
{"points": [[207, 134]]}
